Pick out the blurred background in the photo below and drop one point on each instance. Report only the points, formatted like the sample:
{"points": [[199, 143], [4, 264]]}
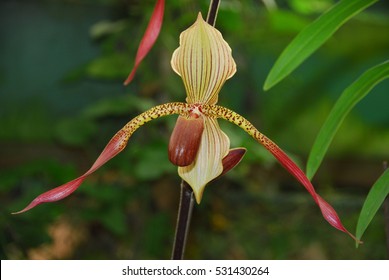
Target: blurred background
{"points": [[62, 65]]}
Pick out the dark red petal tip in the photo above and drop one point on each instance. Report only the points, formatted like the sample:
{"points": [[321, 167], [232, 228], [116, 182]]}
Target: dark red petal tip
{"points": [[114, 147], [232, 159], [326, 209]]}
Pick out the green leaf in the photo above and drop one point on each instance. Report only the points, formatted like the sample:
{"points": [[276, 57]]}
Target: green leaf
{"points": [[75, 131], [349, 98], [312, 37], [373, 201], [120, 105], [109, 66]]}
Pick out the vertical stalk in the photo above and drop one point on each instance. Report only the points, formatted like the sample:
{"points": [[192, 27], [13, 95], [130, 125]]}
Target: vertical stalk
{"points": [[185, 207], [183, 221], [212, 12]]}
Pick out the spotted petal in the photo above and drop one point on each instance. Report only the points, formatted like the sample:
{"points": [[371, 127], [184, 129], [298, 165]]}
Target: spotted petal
{"points": [[203, 61], [214, 146], [114, 147], [326, 209]]}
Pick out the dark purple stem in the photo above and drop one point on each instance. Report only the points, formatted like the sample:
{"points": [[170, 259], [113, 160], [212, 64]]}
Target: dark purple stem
{"points": [[212, 12], [183, 221]]}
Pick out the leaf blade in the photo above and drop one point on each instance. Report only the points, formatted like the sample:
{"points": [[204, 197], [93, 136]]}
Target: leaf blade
{"points": [[348, 99], [312, 37], [374, 200]]}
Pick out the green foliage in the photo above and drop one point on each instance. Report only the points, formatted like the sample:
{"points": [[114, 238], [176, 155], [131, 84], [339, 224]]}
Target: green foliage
{"points": [[150, 166], [379, 191], [312, 37], [117, 106], [310, 6], [346, 102], [75, 131], [112, 66], [15, 126], [304, 44]]}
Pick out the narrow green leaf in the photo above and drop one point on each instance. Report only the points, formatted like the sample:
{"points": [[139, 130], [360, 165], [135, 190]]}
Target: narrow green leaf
{"points": [[312, 37], [349, 98], [373, 201]]}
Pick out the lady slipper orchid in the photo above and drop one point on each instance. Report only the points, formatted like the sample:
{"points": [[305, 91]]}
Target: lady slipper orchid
{"points": [[198, 146]]}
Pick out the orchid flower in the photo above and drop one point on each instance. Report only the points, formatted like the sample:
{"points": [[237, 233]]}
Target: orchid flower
{"points": [[198, 146]]}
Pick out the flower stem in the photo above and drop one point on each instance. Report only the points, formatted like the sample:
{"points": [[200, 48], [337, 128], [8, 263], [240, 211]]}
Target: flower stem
{"points": [[183, 220], [187, 198], [212, 12]]}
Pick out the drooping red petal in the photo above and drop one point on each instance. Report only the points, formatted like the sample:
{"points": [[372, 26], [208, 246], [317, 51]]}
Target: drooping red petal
{"points": [[115, 146], [149, 38], [328, 212]]}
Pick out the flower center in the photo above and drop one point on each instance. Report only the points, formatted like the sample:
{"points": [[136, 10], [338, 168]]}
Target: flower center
{"points": [[195, 110]]}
